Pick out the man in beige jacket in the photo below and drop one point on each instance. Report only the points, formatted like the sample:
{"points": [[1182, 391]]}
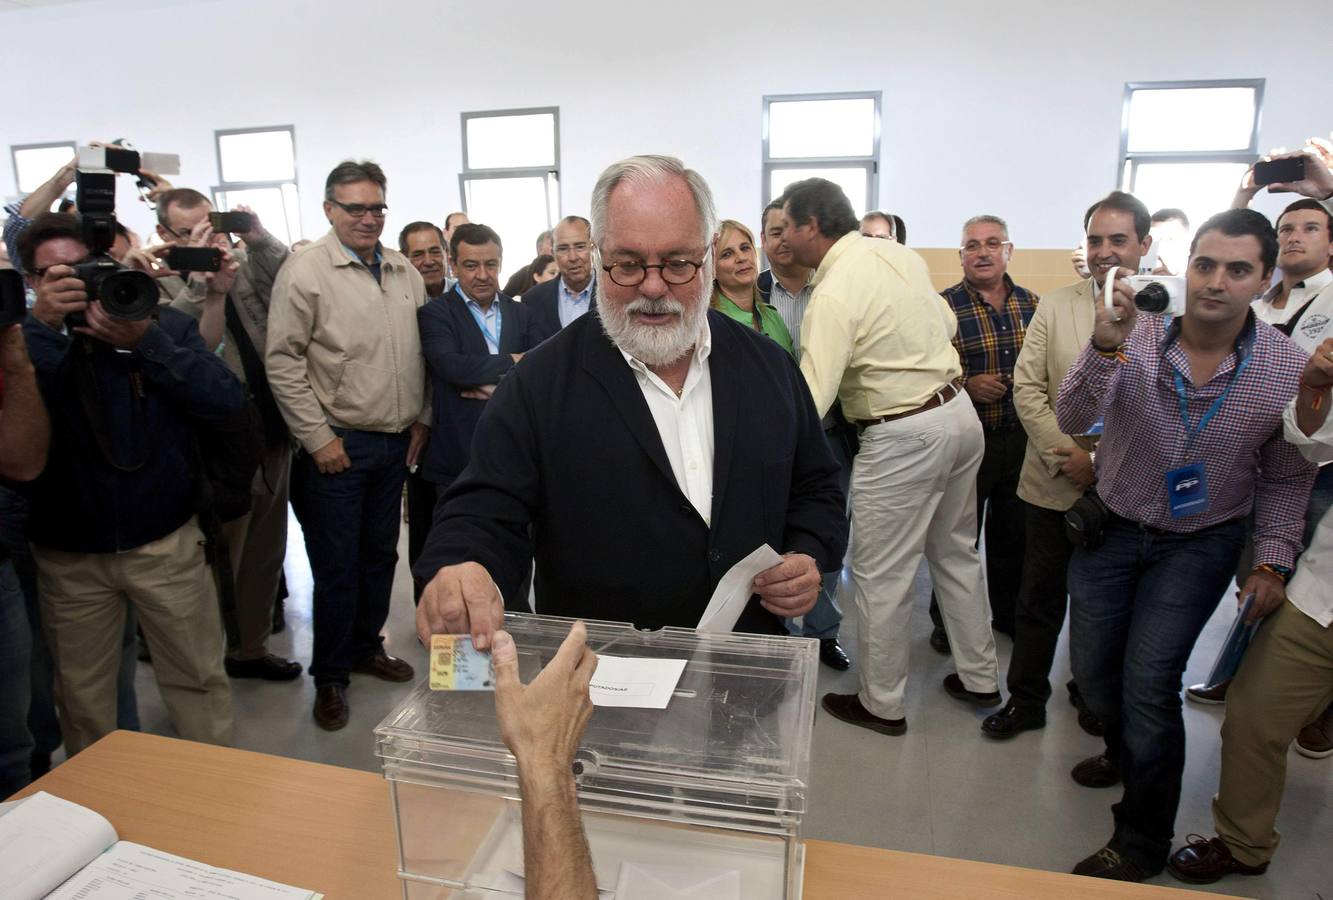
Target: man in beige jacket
{"points": [[345, 366], [1056, 471]]}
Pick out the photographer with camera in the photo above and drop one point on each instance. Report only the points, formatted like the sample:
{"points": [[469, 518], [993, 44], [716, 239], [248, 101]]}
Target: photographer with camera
{"points": [[231, 306], [1192, 443], [128, 385]]}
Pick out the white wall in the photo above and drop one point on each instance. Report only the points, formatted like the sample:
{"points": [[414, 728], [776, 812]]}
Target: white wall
{"points": [[1011, 108]]}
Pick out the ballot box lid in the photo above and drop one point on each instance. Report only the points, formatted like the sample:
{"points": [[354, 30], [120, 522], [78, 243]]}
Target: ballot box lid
{"points": [[731, 748]]}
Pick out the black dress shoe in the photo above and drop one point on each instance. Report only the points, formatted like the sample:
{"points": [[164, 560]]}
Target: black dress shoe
{"points": [[1096, 772], [939, 640], [1011, 720], [953, 686], [331, 707], [848, 708], [1205, 860], [384, 667], [833, 656], [1087, 719], [267, 668], [1107, 863]]}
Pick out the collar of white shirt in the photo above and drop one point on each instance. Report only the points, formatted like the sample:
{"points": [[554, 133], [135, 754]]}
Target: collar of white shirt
{"points": [[1309, 286], [702, 348]]}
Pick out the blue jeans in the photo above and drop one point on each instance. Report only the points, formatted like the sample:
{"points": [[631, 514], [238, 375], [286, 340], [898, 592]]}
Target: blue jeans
{"points": [[15, 644], [1137, 605], [351, 524]]}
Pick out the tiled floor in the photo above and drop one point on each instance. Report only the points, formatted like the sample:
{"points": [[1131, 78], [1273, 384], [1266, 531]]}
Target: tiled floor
{"points": [[942, 788]]}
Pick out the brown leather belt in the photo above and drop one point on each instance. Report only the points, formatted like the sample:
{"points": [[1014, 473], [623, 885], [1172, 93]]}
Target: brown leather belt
{"points": [[940, 397]]}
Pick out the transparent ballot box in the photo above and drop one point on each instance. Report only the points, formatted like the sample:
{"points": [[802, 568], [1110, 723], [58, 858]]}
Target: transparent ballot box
{"points": [[707, 794]]}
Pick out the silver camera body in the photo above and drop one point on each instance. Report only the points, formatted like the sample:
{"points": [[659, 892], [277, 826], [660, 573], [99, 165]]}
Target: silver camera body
{"points": [[1159, 295]]}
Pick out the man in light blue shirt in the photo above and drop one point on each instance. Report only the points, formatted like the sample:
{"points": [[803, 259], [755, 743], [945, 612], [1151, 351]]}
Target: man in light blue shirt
{"points": [[557, 303]]}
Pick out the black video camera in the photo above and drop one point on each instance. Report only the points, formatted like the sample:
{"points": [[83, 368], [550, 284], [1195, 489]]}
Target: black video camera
{"points": [[124, 293], [13, 299]]}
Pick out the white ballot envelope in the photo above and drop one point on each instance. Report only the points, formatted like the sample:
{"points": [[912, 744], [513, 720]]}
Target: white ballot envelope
{"points": [[734, 590], [646, 881], [634, 681]]}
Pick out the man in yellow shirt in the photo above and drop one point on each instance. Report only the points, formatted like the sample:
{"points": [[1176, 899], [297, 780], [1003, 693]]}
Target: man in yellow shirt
{"points": [[877, 337]]}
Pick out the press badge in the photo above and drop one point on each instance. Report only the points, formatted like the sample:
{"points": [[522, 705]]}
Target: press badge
{"points": [[455, 665], [1187, 491]]}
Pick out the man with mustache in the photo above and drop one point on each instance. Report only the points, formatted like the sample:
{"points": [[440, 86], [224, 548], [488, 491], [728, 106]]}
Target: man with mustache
{"points": [[642, 451]]}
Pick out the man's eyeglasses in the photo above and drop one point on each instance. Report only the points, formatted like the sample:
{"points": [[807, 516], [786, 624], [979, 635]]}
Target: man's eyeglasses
{"points": [[357, 210], [971, 248], [566, 249], [673, 271]]}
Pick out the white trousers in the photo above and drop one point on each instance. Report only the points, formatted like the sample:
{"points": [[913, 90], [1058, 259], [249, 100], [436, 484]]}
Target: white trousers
{"points": [[914, 491]]}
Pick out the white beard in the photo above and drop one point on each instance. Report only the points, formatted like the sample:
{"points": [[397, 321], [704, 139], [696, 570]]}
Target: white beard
{"points": [[654, 345]]}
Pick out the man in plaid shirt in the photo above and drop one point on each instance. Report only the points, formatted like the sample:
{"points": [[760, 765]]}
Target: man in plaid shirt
{"points": [[993, 314], [1192, 443]]}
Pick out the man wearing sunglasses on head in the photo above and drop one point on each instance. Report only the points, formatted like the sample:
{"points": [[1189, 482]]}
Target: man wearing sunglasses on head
{"points": [[345, 366]]}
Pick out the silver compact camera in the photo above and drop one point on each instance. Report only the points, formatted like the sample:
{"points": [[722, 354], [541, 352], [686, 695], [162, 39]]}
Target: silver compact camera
{"points": [[1160, 295]]}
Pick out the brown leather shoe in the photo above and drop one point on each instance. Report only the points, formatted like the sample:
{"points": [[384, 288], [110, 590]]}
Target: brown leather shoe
{"points": [[1316, 739], [1208, 694], [848, 708], [1205, 860], [384, 666], [331, 707]]}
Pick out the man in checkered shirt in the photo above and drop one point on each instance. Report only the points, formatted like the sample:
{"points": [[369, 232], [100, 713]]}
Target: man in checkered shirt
{"points": [[1193, 442]]}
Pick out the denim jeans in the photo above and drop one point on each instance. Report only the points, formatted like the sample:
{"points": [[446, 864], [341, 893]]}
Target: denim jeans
{"points": [[825, 619], [15, 694], [351, 523], [1137, 605]]}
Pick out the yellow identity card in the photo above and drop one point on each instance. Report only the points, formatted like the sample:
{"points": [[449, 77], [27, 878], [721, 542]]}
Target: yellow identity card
{"points": [[455, 665]]}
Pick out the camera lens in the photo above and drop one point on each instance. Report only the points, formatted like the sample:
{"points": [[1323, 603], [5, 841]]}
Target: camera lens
{"points": [[1154, 298], [129, 296]]}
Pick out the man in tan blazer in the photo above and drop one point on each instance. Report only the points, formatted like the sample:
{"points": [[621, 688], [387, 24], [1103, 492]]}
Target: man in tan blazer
{"points": [[1056, 471]]}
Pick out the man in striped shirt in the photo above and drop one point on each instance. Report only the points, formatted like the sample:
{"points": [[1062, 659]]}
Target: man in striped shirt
{"points": [[1192, 443]]}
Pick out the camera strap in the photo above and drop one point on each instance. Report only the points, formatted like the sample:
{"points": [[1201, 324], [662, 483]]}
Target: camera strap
{"points": [[90, 397]]}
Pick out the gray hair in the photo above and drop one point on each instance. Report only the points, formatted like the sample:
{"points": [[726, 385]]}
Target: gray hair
{"points": [[986, 220], [350, 171], [648, 170]]}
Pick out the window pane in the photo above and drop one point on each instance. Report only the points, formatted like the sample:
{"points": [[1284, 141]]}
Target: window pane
{"points": [[853, 182], [510, 142], [36, 164], [277, 208], [258, 156], [1200, 189], [518, 210], [810, 128], [1191, 119]]}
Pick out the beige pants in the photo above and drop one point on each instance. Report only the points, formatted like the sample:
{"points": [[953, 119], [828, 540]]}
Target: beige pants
{"points": [[914, 494], [257, 542], [1284, 683], [84, 597]]}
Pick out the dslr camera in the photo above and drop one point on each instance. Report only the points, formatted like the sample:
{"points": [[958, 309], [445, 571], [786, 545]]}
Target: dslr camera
{"points": [[124, 293]]}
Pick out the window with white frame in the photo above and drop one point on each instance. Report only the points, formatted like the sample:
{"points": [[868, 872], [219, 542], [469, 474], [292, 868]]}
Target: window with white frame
{"points": [[35, 163], [257, 168], [833, 136], [511, 176], [1187, 144]]}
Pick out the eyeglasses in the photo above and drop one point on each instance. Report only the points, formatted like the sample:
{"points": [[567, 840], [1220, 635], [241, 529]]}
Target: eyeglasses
{"points": [[673, 271], [357, 210], [566, 249], [993, 245]]}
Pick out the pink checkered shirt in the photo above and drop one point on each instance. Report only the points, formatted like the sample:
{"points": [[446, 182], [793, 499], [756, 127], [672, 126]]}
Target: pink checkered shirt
{"points": [[1247, 463]]}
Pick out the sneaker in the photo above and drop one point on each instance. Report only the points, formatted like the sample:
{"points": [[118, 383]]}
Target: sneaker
{"points": [[1316, 739], [1208, 694]]}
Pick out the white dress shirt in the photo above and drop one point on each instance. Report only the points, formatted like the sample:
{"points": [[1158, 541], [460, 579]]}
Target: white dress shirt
{"points": [[1311, 588], [1300, 294], [685, 423]]}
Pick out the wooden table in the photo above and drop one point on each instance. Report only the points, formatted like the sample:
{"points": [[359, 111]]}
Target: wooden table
{"points": [[330, 829]]}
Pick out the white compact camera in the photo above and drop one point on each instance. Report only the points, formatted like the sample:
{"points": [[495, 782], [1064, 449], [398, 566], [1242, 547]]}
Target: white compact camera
{"points": [[1159, 295]]}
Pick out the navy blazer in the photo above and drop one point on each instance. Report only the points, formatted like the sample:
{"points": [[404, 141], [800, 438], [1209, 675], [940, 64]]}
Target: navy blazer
{"points": [[458, 358], [568, 465], [543, 305]]}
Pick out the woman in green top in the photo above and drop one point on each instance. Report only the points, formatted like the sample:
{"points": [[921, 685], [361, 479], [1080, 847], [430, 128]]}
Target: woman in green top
{"points": [[734, 290]]}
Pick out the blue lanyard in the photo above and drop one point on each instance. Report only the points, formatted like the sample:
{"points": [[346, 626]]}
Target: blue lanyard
{"points": [[493, 339], [1192, 433]]}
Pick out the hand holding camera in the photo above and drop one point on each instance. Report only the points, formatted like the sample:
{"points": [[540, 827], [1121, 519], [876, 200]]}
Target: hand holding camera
{"points": [[60, 293], [123, 333], [1116, 314]]}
